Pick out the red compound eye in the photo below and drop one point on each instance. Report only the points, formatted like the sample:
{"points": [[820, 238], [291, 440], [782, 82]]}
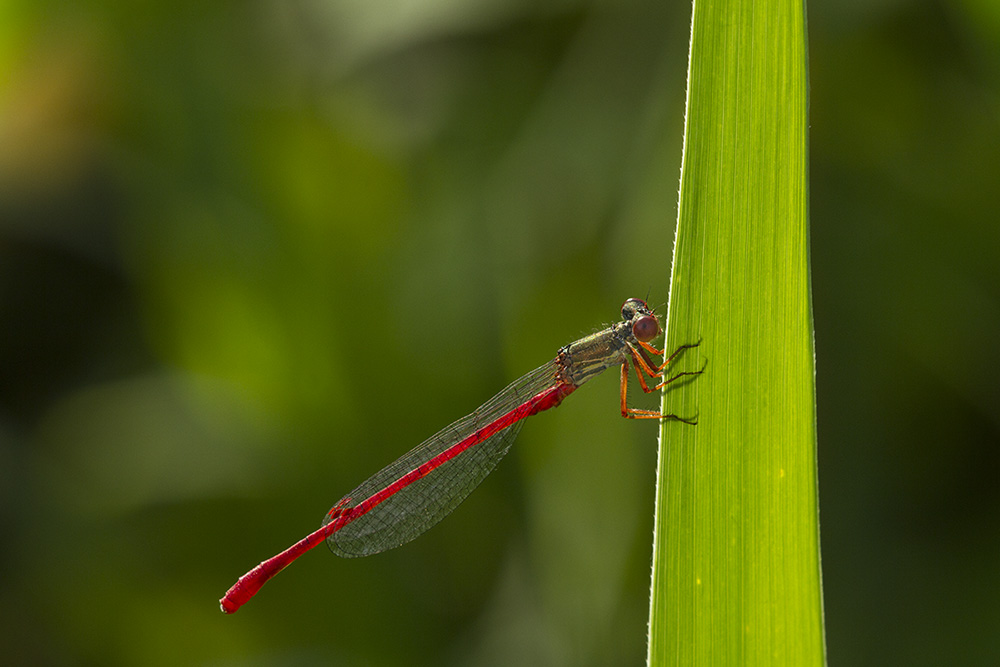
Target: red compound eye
{"points": [[645, 328]]}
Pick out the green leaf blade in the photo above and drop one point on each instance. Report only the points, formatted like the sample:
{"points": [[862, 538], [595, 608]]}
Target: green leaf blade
{"points": [[736, 576]]}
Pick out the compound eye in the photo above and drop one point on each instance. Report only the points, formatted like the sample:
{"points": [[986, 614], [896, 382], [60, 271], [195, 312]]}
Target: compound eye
{"points": [[633, 306], [645, 328]]}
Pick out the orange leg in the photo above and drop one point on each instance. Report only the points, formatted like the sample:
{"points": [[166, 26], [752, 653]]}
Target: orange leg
{"points": [[644, 365], [638, 413], [651, 348], [667, 361], [633, 413]]}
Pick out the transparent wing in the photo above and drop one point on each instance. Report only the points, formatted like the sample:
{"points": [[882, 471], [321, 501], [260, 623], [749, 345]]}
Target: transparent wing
{"points": [[401, 512]]}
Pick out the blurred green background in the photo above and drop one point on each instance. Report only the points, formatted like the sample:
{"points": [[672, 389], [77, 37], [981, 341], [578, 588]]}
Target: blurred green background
{"points": [[251, 252]]}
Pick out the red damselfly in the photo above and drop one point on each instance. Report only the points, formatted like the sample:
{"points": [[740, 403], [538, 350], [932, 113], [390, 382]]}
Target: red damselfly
{"points": [[421, 487]]}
